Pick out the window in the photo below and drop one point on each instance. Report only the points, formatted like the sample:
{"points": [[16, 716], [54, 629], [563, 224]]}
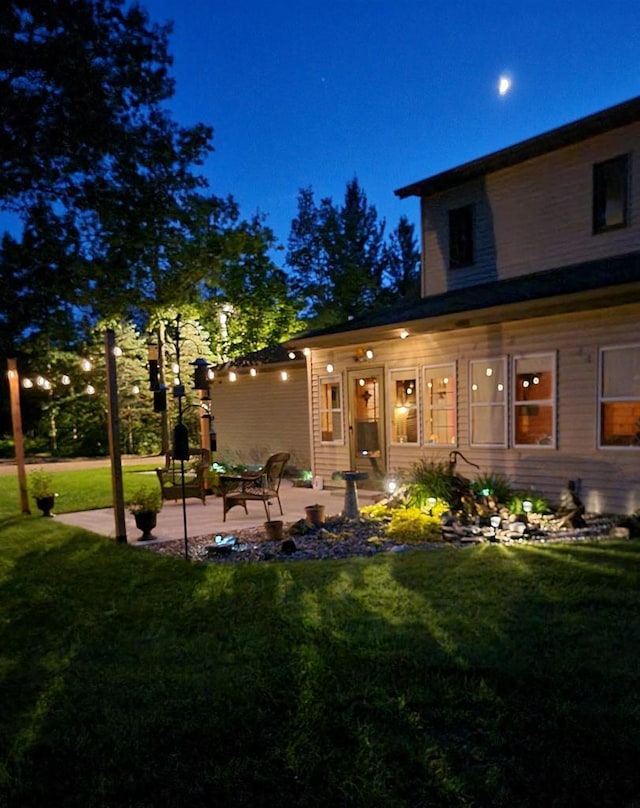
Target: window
{"points": [[461, 237], [331, 410], [404, 411], [534, 393], [440, 405], [487, 397], [620, 396], [610, 194]]}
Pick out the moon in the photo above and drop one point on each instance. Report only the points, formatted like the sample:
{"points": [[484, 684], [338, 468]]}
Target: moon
{"points": [[504, 85]]}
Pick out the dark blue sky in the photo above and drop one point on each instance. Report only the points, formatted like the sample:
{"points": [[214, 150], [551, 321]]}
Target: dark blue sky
{"points": [[305, 93], [313, 93]]}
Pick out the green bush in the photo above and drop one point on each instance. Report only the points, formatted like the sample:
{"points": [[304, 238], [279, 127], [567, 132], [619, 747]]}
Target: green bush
{"points": [[538, 503], [495, 485], [412, 525], [429, 478]]}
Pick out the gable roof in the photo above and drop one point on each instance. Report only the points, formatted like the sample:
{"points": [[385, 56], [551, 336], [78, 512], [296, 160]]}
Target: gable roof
{"points": [[596, 124], [583, 286]]}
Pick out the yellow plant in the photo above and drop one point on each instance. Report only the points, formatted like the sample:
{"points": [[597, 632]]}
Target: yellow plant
{"points": [[412, 525]]}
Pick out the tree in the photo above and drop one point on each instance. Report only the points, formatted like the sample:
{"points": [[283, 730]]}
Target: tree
{"points": [[403, 262], [336, 255], [91, 161]]}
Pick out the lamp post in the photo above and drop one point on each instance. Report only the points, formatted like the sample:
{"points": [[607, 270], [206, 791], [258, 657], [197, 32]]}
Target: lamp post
{"points": [[180, 447], [16, 421]]}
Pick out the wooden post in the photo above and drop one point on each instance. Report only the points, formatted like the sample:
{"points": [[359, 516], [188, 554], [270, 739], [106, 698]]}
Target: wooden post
{"points": [[16, 421], [113, 413]]}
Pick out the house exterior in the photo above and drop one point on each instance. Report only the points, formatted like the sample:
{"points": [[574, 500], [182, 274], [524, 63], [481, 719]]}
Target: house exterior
{"points": [[261, 405], [523, 353]]}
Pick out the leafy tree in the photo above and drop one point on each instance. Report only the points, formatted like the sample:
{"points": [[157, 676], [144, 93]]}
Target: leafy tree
{"points": [[91, 161], [337, 256], [403, 262]]}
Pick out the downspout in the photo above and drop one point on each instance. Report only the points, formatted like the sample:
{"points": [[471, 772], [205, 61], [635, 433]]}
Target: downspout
{"points": [[312, 447]]}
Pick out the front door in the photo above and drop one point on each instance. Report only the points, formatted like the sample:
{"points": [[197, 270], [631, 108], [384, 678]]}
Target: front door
{"points": [[366, 421]]}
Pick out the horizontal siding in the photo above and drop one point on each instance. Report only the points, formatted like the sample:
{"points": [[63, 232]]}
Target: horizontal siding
{"points": [[256, 416], [533, 216], [610, 478]]}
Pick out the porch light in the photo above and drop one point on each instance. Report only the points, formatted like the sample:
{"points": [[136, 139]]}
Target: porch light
{"points": [[404, 333], [329, 368], [369, 353], [292, 354]]}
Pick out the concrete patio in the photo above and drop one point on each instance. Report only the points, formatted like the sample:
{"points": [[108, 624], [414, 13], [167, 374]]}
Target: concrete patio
{"points": [[207, 519]]}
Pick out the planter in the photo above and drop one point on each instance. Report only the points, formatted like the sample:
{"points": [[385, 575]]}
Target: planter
{"points": [[45, 504], [315, 515], [274, 529], [146, 521]]}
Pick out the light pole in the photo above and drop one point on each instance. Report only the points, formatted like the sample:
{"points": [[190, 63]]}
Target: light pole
{"points": [[180, 448]]}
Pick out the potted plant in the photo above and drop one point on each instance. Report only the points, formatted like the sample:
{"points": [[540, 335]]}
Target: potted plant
{"points": [[273, 527], [41, 485], [145, 504], [315, 514]]}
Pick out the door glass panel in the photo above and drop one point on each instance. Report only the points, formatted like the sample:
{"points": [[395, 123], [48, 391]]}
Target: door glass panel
{"points": [[367, 416]]}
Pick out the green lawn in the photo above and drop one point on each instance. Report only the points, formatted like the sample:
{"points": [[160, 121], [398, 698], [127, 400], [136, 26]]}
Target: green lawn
{"points": [[489, 676], [80, 490]]}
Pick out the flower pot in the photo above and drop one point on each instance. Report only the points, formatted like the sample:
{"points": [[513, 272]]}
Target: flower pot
{"points": [[45, 504], [274, 529], [315, 515], [146, 521]]}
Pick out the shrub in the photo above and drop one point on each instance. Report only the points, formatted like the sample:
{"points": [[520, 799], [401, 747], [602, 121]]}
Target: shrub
{"points": [[145, 500], [494, 485], [538, 503], [430, 478], [41, 484], [412, 525]]}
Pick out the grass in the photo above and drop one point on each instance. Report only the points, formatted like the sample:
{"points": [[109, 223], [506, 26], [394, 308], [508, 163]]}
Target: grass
{"points": [[489, 676], [78, 490]]}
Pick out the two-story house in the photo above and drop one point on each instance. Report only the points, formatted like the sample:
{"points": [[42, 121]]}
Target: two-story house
{"points": [[524, 351]]}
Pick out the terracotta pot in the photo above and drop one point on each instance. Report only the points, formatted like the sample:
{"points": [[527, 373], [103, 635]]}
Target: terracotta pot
{"points": [[315, 515], [274, 529], [146, 521]]}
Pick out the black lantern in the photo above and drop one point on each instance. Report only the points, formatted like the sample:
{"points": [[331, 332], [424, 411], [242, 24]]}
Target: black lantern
{"points": [[200, 374], [160, 399]]}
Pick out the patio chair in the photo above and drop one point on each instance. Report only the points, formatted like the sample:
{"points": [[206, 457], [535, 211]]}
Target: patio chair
{"points": [[196, 470], [254, 486]]}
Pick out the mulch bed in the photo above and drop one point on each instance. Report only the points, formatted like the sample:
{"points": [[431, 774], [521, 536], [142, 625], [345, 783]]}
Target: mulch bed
{"points": [[345, 538]]}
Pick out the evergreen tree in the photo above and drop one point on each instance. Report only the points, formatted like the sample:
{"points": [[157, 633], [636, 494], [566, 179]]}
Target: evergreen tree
{"points": [[337, 256], [403, 262]]}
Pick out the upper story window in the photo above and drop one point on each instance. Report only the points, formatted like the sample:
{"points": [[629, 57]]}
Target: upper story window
{"points": [[610, 180], [461, 237]]}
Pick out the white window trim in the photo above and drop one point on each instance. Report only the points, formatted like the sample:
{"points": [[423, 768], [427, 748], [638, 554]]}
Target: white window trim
{"points": [[504, 404], [337, 377], [423, 373], [554, 401], [601, 399], [413, 371]]}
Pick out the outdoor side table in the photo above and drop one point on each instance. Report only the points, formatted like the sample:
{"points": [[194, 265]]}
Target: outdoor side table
{"points": [[351, 508]]}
